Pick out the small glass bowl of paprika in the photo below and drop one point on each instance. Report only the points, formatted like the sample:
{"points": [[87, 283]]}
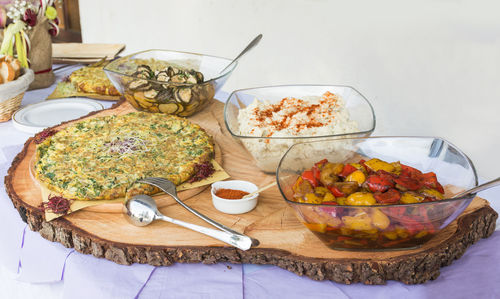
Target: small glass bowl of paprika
{"points": [[227, 196]]}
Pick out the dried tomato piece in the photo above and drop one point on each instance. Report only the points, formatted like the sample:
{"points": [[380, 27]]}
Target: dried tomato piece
{"points": [[389, 197]]}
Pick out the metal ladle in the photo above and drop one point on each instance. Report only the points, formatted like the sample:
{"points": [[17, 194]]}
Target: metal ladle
{"points": [[250, 46], [141, 210], [479, 188]]}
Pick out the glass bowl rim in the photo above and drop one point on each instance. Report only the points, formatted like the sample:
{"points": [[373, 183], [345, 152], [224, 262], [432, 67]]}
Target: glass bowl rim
{"points": [[381, 206], [225, 73], [369, 131]]}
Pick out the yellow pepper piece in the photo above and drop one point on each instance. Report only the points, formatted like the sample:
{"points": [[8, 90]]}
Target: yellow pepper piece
{"points": [[431, 192], [361, 199], [377, 164], [357, 176], [356, 165], [341, 200], [316, 227], [313, 198], [421, 234], [334, 222], [392, 235], [402, 233], [360, 222], [408, 197], [380, 220], [321, 191], [328, 197], [397, 167]]}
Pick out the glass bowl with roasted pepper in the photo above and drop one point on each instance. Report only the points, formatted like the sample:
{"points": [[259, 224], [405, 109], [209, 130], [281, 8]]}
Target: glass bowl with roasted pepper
{"points": [[376, 193]]}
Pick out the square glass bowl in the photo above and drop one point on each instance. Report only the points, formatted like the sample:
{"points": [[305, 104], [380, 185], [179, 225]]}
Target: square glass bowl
{"points": [[380, 227], [183, 99], [267, 151]]}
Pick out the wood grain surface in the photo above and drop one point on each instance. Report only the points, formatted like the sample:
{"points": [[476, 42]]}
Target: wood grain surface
{"points": [[284, 241]]}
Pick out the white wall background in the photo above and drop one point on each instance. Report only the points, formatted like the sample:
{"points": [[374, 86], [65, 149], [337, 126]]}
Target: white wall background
{"points": [[428, 67]]}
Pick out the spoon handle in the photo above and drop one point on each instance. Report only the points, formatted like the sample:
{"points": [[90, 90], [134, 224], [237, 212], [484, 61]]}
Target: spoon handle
{"points": [[221, 226], [238, 241], [252, 44], [479, 188]]}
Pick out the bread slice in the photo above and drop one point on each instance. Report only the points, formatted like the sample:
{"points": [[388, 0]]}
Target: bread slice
{"points": [[16, 65], [7, 72]]}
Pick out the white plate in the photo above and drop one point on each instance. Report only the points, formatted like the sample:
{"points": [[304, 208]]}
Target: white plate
{"points": [[36, 117]]}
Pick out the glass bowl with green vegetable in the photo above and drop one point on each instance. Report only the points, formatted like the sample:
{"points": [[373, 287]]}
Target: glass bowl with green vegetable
{"points": [[167, 81]]}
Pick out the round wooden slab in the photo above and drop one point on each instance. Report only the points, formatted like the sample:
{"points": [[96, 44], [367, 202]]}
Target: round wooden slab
{"points": [[284, 241]]}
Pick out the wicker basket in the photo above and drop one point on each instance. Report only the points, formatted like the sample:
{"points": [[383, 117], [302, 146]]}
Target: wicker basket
{"points": [[11, 94], [8, 107]]}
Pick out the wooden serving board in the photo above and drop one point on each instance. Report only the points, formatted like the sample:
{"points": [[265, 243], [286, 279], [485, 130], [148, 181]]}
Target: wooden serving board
{"points": [[285, 242]]}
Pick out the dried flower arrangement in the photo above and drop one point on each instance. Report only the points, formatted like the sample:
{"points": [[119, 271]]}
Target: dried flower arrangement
{"points": [[25, 15]]}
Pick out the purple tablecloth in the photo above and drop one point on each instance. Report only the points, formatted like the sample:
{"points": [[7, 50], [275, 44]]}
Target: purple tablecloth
{"points": [[30, 258]]}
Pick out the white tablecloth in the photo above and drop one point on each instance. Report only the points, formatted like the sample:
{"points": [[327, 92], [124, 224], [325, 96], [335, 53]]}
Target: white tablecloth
{"points": [[11, 287]]}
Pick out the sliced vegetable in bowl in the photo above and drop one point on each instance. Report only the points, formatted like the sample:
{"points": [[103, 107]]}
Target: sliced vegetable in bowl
{"points": [[169, 82], [377, 193]]}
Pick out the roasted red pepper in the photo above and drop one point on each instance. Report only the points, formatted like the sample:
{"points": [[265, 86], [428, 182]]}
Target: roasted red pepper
{"points": [[362, 162], [407, 183], [335, 191], [343, 238], [398, 212], [379, 182], [412, 225], [331, 203], [390, 196], [348, 169], [430, 180], [321, 163], [409, 171], [316, 173], [308, 175], [395, 242], [317, 168]]}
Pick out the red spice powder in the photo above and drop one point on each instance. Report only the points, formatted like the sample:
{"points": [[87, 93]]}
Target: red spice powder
{"points": [[230, 193], [265, 115]]}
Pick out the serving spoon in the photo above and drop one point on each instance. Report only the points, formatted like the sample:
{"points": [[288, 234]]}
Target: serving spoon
{"points": [[479, 188], [141, 210], [169, 188], [250, 46]]}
